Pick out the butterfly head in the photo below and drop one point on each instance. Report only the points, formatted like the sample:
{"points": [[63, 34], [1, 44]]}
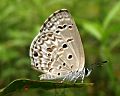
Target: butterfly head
{"points": [[87, 72], [92, 67]]}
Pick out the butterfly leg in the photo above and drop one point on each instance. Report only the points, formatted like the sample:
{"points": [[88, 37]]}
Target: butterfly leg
{"points": [[63, 79], [80, 74], [74, 76], [67, 77], [75, 79], [82, 79]]}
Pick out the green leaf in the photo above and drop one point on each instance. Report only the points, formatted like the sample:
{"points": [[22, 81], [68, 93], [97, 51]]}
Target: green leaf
{"points": [[26, 84], [111, 15]]}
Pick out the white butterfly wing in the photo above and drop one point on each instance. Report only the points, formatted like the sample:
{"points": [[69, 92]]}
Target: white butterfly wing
{"points": [[58, 49]]}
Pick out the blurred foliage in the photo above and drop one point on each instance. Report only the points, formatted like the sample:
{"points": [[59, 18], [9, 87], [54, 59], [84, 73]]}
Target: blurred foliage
{"points": [[98, 22]]}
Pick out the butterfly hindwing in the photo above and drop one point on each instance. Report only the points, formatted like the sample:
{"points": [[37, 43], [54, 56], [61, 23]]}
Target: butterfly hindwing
{"points": [[58, 49]]}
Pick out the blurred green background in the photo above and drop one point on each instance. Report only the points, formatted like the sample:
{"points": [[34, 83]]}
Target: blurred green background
{"points": [[99, 24]]}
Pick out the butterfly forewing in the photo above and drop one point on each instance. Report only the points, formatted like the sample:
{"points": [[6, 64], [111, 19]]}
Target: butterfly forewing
{"points": [[57, 49]]}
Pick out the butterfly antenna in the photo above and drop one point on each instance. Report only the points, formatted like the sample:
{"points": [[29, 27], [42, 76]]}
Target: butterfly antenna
{"points": [[93, 66]]}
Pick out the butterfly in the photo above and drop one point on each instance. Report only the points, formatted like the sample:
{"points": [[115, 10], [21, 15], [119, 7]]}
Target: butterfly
{"points": [[57, 51]]}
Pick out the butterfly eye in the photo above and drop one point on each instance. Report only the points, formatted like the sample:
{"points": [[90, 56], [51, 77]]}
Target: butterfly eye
{"points": [[86, 71]]}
